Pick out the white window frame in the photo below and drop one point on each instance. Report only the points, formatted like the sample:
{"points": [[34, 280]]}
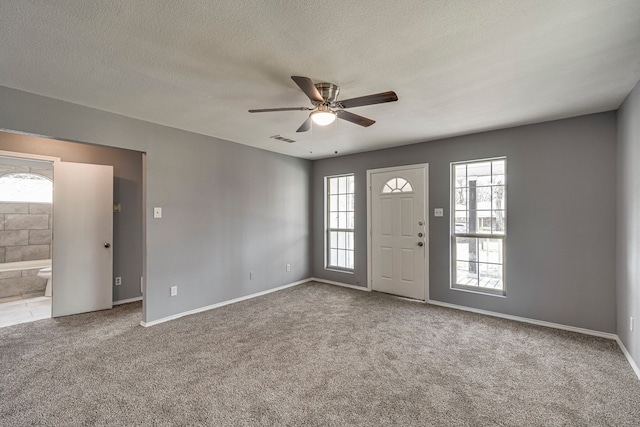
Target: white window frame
{"points": [[329, 229], [455, 234]]}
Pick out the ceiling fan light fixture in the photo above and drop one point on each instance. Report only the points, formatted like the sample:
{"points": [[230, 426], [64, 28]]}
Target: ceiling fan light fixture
{"points": [[323, 116]]}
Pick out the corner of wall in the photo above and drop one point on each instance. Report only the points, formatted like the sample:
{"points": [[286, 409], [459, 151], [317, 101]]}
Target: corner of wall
{"points": [[627, 230]]}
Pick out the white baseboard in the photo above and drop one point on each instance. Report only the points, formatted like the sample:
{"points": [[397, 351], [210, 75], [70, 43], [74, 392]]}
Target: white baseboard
{"points": [[344, 285], [527, 320], [126, 301], [629, 358], [221, 304], [615, 337]]}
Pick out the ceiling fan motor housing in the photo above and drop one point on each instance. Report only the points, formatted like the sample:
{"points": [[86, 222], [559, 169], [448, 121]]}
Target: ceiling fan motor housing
{"points": [[328, 91]]}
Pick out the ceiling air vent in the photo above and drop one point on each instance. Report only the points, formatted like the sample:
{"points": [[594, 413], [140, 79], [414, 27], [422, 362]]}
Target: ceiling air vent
{"points": [[282, 138]]}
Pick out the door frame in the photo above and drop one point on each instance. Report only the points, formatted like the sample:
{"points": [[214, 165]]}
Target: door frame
{"points": [[370, 172], [28, 156]]}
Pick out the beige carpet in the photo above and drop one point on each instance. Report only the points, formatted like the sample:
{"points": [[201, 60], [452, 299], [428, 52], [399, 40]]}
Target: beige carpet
{"points": [[313, 355]]}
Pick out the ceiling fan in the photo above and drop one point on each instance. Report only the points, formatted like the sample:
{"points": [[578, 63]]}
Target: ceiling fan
{"points": [[327, 107]]}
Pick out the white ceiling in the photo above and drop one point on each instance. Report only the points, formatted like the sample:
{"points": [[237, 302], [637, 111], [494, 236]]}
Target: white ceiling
{"points": [[458, 66]]}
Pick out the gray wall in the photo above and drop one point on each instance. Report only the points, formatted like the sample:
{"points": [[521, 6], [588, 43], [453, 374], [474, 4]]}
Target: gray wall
{"points": [[228, 209], [127, 190], [628, 223], [560, 247]]}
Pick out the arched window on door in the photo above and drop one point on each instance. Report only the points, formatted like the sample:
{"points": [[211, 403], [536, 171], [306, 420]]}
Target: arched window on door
{"points": [[397, 185]]}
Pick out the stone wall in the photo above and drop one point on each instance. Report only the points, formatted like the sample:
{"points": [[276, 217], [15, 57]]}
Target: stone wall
{"points": [[25, 231]]}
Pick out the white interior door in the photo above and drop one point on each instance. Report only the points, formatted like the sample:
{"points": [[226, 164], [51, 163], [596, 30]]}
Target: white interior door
{"points": [[82, 238], [398, 238]]}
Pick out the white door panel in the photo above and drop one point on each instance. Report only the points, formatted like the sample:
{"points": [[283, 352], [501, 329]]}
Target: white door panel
{"points": [[398, 253], [82, 238]]}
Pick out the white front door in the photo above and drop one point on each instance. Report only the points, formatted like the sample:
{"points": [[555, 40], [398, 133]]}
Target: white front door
{"points": [[398, 231], [82, 238]]}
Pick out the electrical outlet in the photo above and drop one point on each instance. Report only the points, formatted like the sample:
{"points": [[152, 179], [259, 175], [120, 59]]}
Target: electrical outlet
{"points": [[438, 212], [174, 291], [251, 275], [631, 323], [288, 267], [118, 281]]}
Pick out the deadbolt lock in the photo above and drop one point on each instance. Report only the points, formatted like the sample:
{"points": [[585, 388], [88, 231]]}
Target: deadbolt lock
{"points": [[420, 234]]}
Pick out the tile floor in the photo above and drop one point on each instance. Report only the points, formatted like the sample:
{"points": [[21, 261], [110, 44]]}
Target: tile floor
{"points": [[24, 310]]}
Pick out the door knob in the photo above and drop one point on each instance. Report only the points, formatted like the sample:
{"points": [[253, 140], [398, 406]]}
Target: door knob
{"points": [[107, 245], [420, 244]]}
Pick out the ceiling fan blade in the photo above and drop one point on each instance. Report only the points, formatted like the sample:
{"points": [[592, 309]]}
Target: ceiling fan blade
{"points": [[308, 88], [305, 126], [354, 118], [377, 98], [268, 110]]}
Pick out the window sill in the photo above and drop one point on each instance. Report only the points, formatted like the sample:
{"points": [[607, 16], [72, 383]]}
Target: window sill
{"points": [[338, 270], [499, 294]]}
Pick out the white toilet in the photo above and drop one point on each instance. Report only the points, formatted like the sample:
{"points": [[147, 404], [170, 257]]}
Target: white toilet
{"points": [[45, 273]]}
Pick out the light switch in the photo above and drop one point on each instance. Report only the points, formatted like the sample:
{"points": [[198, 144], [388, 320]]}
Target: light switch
{"points": [[157, 212], [438, 212]]}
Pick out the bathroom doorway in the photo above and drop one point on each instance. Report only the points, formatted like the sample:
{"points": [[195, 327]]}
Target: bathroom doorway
{"points": [[78, 206], [26, 208], [127, 210]]}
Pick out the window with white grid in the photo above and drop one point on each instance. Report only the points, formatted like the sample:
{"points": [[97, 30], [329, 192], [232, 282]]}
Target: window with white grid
{"points": [[340, 222], [478, 225]]}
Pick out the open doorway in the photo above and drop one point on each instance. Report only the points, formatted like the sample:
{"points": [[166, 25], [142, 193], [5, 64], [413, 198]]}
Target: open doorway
{"points": [[26, 197], [128, 208]]}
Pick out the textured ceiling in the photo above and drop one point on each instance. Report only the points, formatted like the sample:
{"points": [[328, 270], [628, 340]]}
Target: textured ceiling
{"points": [[458, 67]]}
